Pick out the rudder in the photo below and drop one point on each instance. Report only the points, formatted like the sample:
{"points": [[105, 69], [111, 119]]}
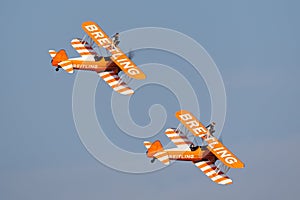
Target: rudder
{"points": [[61, 60], [157, 151]]}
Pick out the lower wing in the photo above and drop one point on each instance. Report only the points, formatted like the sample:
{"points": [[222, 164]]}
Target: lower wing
{"points": [[115, 82], [214, 173]]}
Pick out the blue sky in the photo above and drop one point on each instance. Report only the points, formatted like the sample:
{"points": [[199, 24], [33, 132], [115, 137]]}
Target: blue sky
{"points": [[255, 45]]}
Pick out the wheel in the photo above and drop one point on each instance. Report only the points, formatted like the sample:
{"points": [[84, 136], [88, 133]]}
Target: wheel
{"points": [[57, 69], [152, 161]]}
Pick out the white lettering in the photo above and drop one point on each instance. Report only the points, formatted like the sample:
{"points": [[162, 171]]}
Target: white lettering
{"points": [[200, 131], [98, 35], [230, 160], [104, 41], [193, 123], [220, 148], [223, 153], [126, 64], [185, 117], [116, 55], [133, 71], [122, 60], [212, 144], [91, 27], [80, 66], [181, 156]]}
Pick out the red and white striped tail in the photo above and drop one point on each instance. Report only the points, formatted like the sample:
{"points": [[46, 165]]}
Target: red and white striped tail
{"points": [[163, 157], [67, 66], [114, 81], [214, 173]]}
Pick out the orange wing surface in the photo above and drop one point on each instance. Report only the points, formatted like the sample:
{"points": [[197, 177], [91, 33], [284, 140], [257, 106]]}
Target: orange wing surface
{"points": [[102, 39], [214, 145]]}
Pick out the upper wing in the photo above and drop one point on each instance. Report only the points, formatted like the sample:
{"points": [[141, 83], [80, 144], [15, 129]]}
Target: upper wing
{"points": [[215, 174], [114, 81], [178, 138], [84, 49], [120, 58], [214, 145]]}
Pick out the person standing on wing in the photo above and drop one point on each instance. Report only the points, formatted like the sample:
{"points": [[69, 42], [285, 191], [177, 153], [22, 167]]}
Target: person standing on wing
{"points": [[211, 129], [115, 39]]}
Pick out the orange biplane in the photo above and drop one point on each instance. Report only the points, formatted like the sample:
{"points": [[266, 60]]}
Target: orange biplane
{"points": [[106, 67], [213, 159]]}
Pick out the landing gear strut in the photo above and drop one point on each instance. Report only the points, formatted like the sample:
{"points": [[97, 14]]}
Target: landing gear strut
{"points": [[153, 159]]}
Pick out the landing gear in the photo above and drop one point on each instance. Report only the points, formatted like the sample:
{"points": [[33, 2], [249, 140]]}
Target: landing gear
{"points": [[97, 58], [153, 159], [57, 68]]}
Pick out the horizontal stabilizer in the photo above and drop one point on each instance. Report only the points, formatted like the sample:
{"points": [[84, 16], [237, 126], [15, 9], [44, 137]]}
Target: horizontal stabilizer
{"points": [[163, 157], [156, 150], [67, 66]]}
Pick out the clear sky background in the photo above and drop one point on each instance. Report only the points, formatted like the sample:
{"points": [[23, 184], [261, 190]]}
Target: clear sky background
{"points": [[255, 45]]}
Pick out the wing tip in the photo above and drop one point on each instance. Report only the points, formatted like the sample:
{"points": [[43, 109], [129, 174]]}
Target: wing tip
{"points": [[127, 92], [169, 130], [227, 181], [179, 112]]}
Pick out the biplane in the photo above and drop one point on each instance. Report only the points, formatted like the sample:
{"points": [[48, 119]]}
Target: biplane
{"points": [[213, 158], [107, 67]]}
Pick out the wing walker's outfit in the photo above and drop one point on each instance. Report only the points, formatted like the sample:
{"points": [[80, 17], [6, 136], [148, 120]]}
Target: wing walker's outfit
{"points": [[115, 39]]}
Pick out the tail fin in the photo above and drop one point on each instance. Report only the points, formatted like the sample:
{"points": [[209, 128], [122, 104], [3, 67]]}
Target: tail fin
{"points": [[60, 56], [156, 150], [61, 60]]}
